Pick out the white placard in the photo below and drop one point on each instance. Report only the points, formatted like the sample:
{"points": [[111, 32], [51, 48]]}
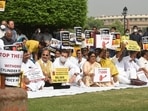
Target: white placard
{"points": [[12, 80], [102, 75], [142, 76], [104, 40], [34, 74], [10, 62], [54, 45]]}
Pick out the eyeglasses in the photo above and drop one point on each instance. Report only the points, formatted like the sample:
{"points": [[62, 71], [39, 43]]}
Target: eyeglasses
{"points": [[45, 55]]}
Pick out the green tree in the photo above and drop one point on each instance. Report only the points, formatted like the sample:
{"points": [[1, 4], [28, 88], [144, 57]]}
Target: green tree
{"points": [[52, 13], [91, 21], [119, 26]]}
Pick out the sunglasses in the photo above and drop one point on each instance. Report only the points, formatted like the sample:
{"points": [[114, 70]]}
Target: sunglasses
{"points": [[45, 55]]}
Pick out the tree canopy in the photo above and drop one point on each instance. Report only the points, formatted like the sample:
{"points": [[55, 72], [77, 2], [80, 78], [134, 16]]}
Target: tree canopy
{"points": [[91, 21], [52, 13]]}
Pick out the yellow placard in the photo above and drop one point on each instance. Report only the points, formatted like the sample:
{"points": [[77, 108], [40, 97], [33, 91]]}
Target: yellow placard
{"points": [[132, 45], [89, 42], [75, 49], [60, 75], [145, 46], [2, 5], [116, 40], [145, 43]]}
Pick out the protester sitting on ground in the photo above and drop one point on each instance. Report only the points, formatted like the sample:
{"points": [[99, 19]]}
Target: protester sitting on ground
{"points": [[46, 65], [34, 47], [70, 57], [117, 59], [107, 63], [74, 72], [88, 70], [143, 61], [79, 61], [131, 65], [6, 40], [33, 78], [85, 52], [56, 55]]}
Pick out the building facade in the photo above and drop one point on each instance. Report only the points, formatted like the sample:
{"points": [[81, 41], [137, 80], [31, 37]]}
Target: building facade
{"points": [[140, 20]]}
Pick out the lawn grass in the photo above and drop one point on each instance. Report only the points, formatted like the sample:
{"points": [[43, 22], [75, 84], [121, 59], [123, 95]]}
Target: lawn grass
{"points": [[113, 100]]}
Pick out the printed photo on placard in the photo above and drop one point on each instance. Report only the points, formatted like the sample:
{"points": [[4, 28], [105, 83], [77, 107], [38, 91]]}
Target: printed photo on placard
{"points": [[54, 45], [89, 41], [116, 40], [102, 75], [64, 35], [104, 40], [72, 39], [145, 43], [78, 32]]}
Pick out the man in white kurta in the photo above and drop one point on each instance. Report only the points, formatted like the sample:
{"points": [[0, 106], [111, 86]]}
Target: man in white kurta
{"points": [[143, 61], [79, 61], [33, 73], [132, 68], [74, 71], [123, 75]]}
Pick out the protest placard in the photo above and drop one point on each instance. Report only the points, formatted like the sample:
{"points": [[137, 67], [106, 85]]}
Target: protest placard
{"points": [[2, 5], [132, 45], [145, 43], [54, 45], [78, 33], [10, 62], [116, 40], [34, 74], [64, 35], [104, 40], [102, 75], [60, 75]]}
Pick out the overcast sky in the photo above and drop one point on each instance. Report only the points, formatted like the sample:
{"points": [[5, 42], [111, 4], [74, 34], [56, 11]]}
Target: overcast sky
{"points": [[115, 7]]}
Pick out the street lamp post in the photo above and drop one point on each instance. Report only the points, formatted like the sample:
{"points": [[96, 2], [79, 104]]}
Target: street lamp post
{"points": [[124, 13]]}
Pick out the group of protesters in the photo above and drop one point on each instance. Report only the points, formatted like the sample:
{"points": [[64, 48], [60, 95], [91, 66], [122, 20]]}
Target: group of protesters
{"points": [[125, 67]]}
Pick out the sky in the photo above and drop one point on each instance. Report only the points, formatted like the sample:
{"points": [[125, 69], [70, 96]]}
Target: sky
{"points": [[115, 7]]}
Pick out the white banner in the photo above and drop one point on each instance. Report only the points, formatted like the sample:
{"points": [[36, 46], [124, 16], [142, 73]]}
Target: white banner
{"points": [[10, 62]]}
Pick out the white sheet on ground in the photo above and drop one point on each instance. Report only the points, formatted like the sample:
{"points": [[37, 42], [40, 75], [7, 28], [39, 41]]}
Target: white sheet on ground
{"points": [[73, 90]]}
